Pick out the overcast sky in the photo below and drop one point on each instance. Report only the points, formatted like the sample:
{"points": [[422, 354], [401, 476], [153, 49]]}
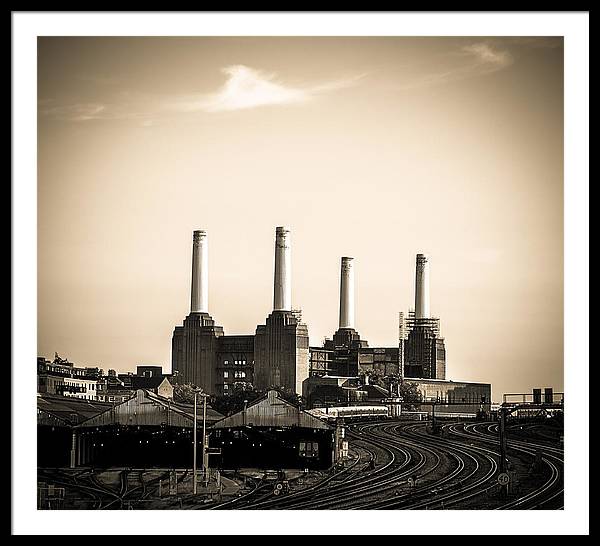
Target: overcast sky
{"points": [[376, 148]]}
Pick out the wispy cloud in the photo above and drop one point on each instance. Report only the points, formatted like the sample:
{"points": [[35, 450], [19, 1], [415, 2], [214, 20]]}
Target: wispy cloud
{"points": [[470, 60], [88, 111], [250, 88], [74, 112], [488, 58], [244, 88]]}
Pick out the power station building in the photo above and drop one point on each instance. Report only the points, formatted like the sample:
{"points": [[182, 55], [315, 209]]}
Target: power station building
{"points": [[420, 352], [278, 354]]}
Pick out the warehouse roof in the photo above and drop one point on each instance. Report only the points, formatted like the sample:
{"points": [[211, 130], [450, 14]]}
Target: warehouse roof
{"points": [[272, 411], [61, 410], [144, 408], [148, 409]]}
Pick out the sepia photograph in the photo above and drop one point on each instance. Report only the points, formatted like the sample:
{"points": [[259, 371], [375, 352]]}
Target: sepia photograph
{"points": [[301, 272]]}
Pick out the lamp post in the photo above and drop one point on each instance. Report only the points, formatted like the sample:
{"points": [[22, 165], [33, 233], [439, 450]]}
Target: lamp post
{"points": [[194, 460], [195, 471], [204, 465]]}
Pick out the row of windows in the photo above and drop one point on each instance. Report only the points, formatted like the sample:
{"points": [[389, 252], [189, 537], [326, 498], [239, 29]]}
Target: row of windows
{"points": [[235, 362], [237, 374]]}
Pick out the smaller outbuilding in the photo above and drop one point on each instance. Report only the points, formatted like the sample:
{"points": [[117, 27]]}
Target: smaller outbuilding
{"points": [[272, 434]]}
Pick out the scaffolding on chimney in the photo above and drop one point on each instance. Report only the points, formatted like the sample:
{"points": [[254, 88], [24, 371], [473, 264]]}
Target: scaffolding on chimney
{"points": [[411, 323], [420, 346]]}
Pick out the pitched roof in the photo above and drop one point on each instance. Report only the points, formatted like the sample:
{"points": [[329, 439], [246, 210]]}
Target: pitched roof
{"points": [[145, 408], [272, 410], [61, 410]]}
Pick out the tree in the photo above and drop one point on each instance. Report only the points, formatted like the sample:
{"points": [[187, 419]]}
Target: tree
{"points": [[409, 392], [235, 401], [184, 392], [289, 395], [227, 404]]}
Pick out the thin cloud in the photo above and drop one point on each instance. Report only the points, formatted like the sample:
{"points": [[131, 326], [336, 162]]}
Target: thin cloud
{"points": [[469, 61], [249, 88], [487, 57], [89, 111], [75, 112], [245, 88]]}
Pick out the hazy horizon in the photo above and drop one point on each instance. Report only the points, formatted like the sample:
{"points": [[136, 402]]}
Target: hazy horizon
{"points": [[375, 148]]}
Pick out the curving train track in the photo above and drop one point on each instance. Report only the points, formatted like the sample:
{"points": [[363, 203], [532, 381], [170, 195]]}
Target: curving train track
{"points": [[392, 465], [413, 469]]}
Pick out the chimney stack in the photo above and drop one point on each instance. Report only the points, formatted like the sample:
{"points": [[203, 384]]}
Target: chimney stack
{"points": [[282, 297], [422, 287], [199, 302], [347, 293]]}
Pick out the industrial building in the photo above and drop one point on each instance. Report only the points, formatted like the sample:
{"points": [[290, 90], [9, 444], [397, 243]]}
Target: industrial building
{"points": [[420, 352], [340, 369], [277, 355]]}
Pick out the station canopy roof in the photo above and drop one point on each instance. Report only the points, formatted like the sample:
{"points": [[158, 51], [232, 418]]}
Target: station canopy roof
{"points": [[148, 409], [58, 410], [144, 409], [272, 410]]}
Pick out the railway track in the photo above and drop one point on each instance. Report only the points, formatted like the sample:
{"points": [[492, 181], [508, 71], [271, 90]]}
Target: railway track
{"points": [[453, 472], [550, 493], [405, 457], [103, 496], [469, 479], [344, 482], [394, 465]]}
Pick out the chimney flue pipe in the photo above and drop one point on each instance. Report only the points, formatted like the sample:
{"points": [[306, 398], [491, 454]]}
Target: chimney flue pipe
{"points": [[199, 303], [282, 293], [347, 293], [422, 287]]}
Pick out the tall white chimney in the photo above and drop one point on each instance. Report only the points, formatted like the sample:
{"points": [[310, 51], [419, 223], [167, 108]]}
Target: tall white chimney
{"points": [[200, 273], [347, 293], [282, 296], [422, 287]]}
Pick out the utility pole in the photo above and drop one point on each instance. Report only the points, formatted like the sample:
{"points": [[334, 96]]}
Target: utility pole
{"points": [[502, 432], [195, 471], [195, 447], [204, 459]]}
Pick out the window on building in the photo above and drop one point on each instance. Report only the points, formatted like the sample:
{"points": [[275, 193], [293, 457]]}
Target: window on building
{"points": [[226, 362], [225, 375]]}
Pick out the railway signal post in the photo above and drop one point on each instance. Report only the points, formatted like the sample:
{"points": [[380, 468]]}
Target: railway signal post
{"points": [[502, 431]]}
